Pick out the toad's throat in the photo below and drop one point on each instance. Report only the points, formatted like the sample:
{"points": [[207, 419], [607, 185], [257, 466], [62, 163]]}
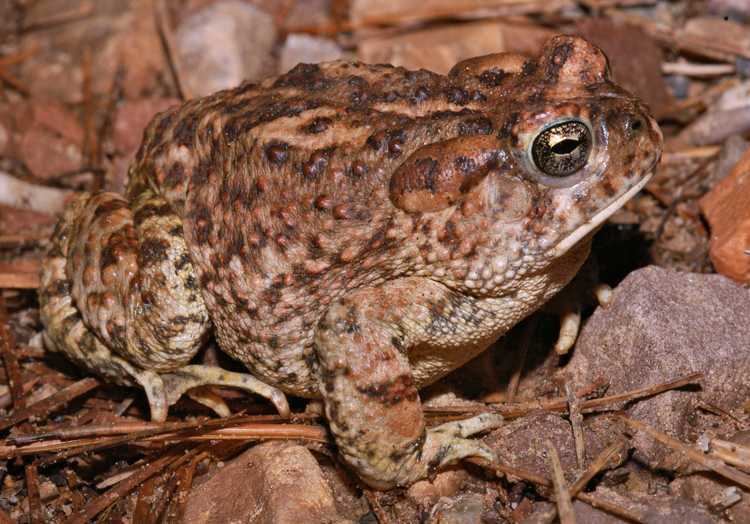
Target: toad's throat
{"points": [[568, 242]]}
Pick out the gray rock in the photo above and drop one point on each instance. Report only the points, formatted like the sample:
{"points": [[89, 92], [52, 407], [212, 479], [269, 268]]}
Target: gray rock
{"points": [[522, 443], [662, 325], [302, 48], [710, 490], [653, 509], [463, 509], [223, 44]]}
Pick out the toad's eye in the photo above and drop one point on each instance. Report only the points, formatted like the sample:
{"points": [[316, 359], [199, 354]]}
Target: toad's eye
{"points": [[562, 149]]}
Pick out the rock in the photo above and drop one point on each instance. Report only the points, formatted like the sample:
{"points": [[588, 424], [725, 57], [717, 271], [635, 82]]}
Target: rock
{"points": [[445, 484], [132, 117], [730, 154], [139, 51], [10, 19], [300, 16], [713, 491], [728, 115], [727, 208], [635, 58], [302, 48], [522, 443], [538, 512], [52, 143], [120, 38], [710, 489], [653, 508], [739, 9], [274, 482], [346, 489], [662, 325], [7, 127], [440, 48], [464, 509], [223, 44]]}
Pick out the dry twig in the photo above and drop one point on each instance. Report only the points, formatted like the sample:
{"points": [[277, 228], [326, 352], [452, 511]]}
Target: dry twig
{"points": [[167, 40], [526, 336], [714, 464], [102, 502], [46, 406], [18, 279], [576, 422], [373, 499], [32, 491], [501, 469], [560, 404], [730, 452], [10, 359], [601, 462], [184, 477], [562, 495]]}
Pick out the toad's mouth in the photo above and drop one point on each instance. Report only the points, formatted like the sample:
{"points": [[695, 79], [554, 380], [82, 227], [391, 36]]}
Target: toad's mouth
{"points": [[568, 242]]}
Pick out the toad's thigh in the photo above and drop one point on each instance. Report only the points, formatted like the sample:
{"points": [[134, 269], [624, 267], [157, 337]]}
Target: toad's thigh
{"points": [[130, 278]]}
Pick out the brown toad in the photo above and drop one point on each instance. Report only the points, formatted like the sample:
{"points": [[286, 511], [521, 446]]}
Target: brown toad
{"points": [[352, 232]]}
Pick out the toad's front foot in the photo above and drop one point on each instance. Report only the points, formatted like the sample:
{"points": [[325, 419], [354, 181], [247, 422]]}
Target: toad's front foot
{"points": [[447, 444], [370, 395], [407, 462]]}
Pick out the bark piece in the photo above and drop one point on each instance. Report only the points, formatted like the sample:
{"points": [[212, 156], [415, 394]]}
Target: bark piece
{"points": [[727, 208]]}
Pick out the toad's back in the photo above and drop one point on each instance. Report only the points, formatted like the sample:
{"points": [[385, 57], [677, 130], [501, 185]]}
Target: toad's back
{"points": [[283, 190]]}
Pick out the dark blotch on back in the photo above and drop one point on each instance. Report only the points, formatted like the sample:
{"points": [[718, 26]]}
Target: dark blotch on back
{"points": [[475, 126], [358, 169], [318, 125], [307, 76], [184, 131], [421, 93], [396, 142], [109, 206], [202, 224], [492, 77], [316, 164], [200, 174], [175, 174], [507, 128], [151, 210], [465, 164], [456, 95], [427, 171], [528, 68], [277, 152], [153, 251]]}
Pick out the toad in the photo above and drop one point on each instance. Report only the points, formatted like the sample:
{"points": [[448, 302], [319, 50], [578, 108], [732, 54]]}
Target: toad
{"points": [[349, 232]]}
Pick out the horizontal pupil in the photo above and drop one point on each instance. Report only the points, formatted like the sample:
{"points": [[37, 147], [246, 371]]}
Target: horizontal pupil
{"points": [[566, 146]]}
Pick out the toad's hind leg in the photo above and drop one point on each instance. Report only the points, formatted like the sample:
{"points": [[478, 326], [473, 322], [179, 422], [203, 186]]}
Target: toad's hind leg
{"points": [[119, 297], [370, 394]]}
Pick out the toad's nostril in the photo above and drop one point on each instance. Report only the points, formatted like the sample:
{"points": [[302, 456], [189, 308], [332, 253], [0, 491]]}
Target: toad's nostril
{"points": [[635, 124]]}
